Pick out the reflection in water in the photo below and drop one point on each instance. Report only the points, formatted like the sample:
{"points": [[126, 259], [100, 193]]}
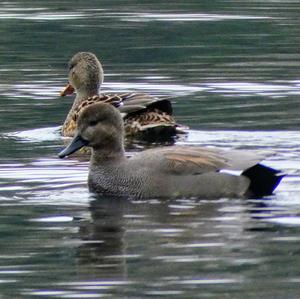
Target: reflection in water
{"points": [[227, 66], [105, 246], [190, 243], [103, 253]]}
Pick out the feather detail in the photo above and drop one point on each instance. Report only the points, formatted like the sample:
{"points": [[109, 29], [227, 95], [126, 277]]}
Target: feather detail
{"points": [[140, 112]]}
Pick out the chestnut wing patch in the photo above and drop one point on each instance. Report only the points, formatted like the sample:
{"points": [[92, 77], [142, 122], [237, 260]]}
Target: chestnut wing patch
{"points": [[192, 161]]}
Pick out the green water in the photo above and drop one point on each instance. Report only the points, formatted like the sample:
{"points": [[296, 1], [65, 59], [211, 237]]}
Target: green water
{"points": [[232, 70]]}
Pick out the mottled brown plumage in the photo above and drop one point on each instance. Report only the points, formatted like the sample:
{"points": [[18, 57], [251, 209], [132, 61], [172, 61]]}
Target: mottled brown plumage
{"points": [[143, 115]]}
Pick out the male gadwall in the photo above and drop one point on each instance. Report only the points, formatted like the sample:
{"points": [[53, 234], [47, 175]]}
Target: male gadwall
{"points": [[145, 116], [166, 172]]}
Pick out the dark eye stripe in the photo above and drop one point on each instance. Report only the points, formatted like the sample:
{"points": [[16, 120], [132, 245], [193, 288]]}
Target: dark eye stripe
{"points": [[93, 123], [71, 66]]}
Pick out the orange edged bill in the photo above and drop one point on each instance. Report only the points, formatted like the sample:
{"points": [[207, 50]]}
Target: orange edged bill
{"points": [[69, 89]]}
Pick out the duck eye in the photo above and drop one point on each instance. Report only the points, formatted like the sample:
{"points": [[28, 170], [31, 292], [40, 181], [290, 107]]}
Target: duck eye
{"points": [[71, 66], [93, 123]]}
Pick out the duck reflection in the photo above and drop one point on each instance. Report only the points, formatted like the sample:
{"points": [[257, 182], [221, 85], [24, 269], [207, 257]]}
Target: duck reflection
{"points": [[102, 235], [135, 242]]}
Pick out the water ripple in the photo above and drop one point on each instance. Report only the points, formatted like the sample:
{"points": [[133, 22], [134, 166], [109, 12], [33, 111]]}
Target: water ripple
{"points": [[242, 88], [36, 135], [186, 17]]}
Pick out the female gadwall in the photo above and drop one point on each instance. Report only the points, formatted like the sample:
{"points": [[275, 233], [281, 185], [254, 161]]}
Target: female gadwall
{"points": [[166, 172], [145, 116]]}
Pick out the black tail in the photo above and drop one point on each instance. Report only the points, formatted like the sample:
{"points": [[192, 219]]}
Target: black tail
{"points": [[263, 180]]}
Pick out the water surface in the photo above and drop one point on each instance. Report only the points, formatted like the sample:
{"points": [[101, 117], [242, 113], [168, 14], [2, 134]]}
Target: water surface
{"points": [[232, 71]]}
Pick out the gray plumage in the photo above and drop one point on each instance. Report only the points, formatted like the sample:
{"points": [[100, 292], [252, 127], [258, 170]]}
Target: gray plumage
{"points": [[165, 172]]}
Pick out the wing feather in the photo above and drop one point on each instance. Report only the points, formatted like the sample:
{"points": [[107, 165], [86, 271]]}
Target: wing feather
{"points": [[196, 160]]}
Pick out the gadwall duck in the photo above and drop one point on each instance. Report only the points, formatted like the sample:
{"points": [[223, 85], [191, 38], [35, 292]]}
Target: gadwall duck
{"points": [[145, 117], [165, 172]]}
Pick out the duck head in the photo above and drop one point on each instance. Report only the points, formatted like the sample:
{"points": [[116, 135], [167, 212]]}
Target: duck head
{"points": [[99, 126], [85, 75]]}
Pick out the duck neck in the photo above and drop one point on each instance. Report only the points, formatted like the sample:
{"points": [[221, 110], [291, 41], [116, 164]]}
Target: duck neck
{"points": [[81, 95], [87, 92], [100, 158], [84, 94], [102, 155]]}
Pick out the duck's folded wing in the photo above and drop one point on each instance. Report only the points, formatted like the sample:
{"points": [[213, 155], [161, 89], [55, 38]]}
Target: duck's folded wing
{"points": [[244, 159], [184, 160], [131, 103], [197, 160]]}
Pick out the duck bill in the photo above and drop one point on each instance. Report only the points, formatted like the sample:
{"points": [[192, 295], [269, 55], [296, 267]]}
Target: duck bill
{"points": [[77, 143], [69, 89]]}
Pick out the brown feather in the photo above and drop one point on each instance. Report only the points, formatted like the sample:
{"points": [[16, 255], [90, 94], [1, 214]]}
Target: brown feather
{"points": [[141, 112]]}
